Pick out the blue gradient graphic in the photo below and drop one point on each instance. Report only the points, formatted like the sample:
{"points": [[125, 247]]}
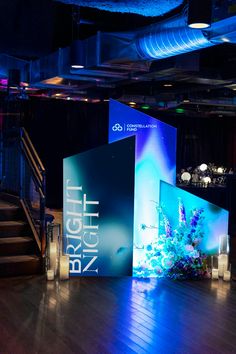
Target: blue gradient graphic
{"points": [[215, 218], [98, 210], [155, 156]]}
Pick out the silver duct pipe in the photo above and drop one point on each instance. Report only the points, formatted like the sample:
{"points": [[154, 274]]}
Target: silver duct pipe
{"points": [[170, 38], [173, 37]]}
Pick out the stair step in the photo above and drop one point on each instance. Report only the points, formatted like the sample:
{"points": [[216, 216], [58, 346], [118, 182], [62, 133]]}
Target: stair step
{"points": [[19, 265], [16, 246], [13, 228], [9, 211], [10, 198]]}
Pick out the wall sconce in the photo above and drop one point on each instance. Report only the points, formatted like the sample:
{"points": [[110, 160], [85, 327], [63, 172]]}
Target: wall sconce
{"points": [[199, 14]]}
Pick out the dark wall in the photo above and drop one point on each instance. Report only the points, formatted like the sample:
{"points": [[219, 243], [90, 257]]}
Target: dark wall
{"points": [[62, 128], [204, 140], [30, 28], [59, 129]]}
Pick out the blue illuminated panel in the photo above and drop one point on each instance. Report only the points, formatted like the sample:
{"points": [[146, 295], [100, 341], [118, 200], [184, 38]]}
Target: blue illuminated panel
{"points": [[188, 231], [155, 160], [215, 219]]}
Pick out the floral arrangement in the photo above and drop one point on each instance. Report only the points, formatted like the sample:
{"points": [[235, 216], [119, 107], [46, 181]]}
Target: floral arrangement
{"points": [[175, 253]]}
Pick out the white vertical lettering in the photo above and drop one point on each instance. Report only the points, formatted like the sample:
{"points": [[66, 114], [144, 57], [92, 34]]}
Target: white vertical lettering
{"points": [[75, 264], [86, 268], [92, 239], [72, 223], [91, 202]]}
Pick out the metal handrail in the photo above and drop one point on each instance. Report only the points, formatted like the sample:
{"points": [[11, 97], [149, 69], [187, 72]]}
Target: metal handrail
{"points": [[16, 150], [36, 157], [38, 172]]}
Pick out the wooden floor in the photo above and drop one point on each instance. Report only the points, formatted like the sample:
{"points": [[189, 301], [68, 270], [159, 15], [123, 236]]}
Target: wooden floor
{"points": [[116, 315]]}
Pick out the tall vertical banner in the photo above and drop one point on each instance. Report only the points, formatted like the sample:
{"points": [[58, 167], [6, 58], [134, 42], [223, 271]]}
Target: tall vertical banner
{"points": [[155, 160], [98, 210]]}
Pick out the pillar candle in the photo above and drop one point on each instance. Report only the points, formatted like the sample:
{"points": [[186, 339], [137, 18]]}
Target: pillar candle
{"points": [[64, 267], [215, 274], [53, 256], [222, 264], [50, 274], [227, 275]]}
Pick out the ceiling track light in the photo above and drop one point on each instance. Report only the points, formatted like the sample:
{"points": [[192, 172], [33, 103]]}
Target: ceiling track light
{"points": [[199, 14]]}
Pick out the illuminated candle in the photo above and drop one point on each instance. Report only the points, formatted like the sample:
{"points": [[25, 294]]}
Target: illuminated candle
{"points": [[215, 274], [222, 264], [227, 275], [64, 267], [50, 274], [214, 267], [53, 256]]}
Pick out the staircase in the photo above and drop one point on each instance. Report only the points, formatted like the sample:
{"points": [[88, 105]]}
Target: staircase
{"points": [[19, 253]]}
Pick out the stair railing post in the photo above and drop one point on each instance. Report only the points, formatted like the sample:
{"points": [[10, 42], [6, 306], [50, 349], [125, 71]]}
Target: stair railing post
{"points": [[42, 217], [21, 167], [1, 157]]}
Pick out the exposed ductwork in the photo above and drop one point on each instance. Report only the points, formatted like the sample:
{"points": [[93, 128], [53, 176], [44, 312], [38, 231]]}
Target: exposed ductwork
{"points": [[174, 37], [108, 60], [159, 42], [111, 58]]}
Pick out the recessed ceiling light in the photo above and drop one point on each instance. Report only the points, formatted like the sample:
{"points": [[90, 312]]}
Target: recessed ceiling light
{"points": [[145, 106], [180, 110], [199, 13], [225, 39], [77, 66], [199, 25]]}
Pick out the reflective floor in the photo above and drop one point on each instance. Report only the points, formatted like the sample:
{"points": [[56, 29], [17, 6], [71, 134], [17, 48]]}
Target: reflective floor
{"points": [[116, 315]]}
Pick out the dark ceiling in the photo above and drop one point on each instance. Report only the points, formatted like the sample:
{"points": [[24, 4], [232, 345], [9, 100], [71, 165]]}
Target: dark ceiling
{"points": [[201, 81]]}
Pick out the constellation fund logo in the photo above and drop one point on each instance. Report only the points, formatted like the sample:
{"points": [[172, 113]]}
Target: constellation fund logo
{"points": [[117, 128]]}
